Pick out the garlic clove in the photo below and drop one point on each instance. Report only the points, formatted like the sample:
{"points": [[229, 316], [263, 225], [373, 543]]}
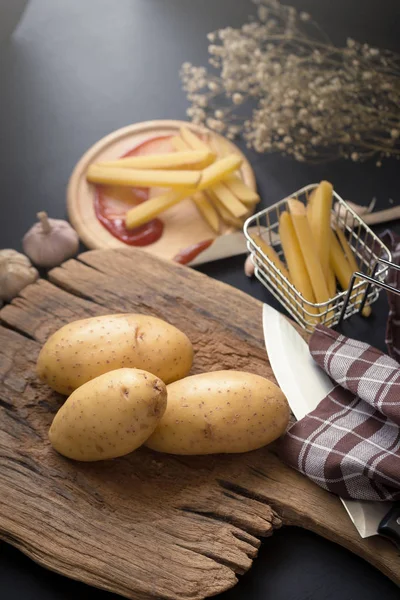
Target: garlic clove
{"points": [[50, 241], [16, 272], [249, 267]]}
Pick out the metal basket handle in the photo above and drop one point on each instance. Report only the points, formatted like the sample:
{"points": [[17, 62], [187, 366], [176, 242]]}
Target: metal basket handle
{"points": [[370, 280]]}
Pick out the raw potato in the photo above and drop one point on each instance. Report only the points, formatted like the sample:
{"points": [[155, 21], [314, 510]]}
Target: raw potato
{"points": [[109, 416], [83, 350], [220, 412]]}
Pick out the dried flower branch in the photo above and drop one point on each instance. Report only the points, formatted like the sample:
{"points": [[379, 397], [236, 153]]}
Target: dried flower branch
{"points": [[307, 98]]}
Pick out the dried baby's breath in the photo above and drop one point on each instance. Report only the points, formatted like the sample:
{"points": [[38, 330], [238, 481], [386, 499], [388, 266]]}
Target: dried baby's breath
{"points": [[304, 97]]}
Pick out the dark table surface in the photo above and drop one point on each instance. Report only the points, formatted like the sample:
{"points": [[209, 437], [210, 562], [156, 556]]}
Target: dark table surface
{"points": [[76, 70]]}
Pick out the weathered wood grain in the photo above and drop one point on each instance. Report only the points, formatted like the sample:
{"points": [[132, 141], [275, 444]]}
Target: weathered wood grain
{"points": [[147, 525]]}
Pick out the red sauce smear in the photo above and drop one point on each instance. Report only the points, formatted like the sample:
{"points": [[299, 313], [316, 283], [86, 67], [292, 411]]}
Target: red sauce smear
{"points": [[186, 255], [112, 202]]}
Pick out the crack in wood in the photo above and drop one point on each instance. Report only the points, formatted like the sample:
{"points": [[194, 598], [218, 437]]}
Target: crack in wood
{"points": [[246, 537], [25, 464], [232, 519], [217, 558], [15, 328], [6, 405], [22, 422]]}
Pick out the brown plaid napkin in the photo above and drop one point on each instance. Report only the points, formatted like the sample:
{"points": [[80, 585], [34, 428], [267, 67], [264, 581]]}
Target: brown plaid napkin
{"points": [[392, 240], [350, 444]]}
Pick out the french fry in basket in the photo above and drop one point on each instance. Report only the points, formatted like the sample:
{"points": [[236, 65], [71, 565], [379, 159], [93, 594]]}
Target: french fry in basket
{"points": [[295, 262], [206, 209], [144, 177], [319, 217], [339, 263], [187, 159], [229, 200], [343, 267], [330, 280], [308, 250], [271, 254], [144, 212], [348, 252]]}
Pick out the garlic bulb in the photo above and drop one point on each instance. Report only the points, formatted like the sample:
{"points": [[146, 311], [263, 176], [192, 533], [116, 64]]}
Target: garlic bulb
{"points": [[50, 241], [16, 272]]}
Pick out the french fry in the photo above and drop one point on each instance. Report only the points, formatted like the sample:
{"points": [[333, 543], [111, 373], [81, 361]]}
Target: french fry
{"points": [[229, 200], [206, 210], [179, 145], [242, 191], [271, 254], [220, 146], [319, 217], [344, 264], [294, 257], [193, 140], [144, 212], [310, 197], [188, 159], [225, 215], [144, 177], [339, 262], [203, 204], [219, 170], [348, 252], [309, 250], [295, 261], [331, 281], [234, 182]]}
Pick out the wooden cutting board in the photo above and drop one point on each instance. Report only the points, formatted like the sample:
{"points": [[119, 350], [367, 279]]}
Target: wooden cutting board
{"points": [[147, 525]]}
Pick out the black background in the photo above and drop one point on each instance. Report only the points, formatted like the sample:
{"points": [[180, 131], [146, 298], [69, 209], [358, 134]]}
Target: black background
{"points": [[76, 70]]}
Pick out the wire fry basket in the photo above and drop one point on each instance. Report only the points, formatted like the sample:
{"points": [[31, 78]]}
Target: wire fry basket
{"points": [[372, 255]]}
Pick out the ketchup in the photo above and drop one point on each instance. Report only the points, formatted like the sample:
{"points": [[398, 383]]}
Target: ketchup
{"points": [[112, 203], [139, 236], [186, 255]]}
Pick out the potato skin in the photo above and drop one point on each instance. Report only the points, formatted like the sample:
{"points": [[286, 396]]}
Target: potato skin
{"points": [[220, 412], [85, 349], [109, 416]]}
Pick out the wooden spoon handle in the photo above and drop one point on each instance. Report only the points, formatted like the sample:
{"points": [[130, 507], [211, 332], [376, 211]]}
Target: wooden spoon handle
{"points": [[382, 216]]}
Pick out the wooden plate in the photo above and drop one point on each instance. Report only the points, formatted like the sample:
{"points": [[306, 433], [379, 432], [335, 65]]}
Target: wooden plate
{"points": [[183, 226]]}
